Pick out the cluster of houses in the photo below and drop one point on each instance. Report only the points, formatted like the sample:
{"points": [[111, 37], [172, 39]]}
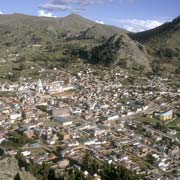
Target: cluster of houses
{"points": [[89, 112]]}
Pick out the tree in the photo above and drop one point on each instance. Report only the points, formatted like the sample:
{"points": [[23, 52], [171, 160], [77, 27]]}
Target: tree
{"points": [[150, 158]]}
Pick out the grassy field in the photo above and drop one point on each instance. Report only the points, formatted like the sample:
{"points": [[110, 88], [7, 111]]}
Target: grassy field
{"points": [[175, 124], [148, 120]]}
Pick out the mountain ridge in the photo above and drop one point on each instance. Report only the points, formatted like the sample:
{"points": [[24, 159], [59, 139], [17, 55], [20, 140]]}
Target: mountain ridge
{"points": [[163, 43], [62, 41]]}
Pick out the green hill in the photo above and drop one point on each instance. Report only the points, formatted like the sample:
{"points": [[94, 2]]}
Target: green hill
{"points": [[122, 51], [29, 44], [163, 44], [101, 32]]}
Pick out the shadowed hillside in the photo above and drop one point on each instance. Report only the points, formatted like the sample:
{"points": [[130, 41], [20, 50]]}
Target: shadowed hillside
{"points": [[163, 43]]}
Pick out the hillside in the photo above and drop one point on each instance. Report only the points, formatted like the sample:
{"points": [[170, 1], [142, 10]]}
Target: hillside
{"points": [[19, 29], [122, 51], [163, 43], [101, 32], [24, 30], [29, 44]]}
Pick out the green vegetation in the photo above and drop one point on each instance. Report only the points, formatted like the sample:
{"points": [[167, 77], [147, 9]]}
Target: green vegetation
{"points": [[108, 171], [7, 94], [29, 44], [41, 172], [148, 120], [120, 50], [163, 44], [174, 124], [16, 140], [105, 170]]}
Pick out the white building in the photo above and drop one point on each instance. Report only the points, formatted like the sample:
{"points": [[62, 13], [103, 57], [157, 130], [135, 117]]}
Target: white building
{"points": [[15, 116], [90, 142], [26, 153], [63, 122]]}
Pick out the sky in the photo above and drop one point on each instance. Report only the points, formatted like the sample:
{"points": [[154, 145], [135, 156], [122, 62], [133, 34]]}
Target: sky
{"points": [[132, 15]]}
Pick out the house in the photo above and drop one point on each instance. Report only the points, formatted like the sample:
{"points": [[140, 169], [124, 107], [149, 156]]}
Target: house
{"points": [[15, 116], [29, 133], [62, 164], [113, 117], [64, 136], [77, 110], [90, 142], [96, 177], [63, 122], [68, 88], [98, 132], [143, 152], [2, 140], [39, 87], [52, 140], [123, 158], [166, 115], [61, 112], [26, 153], [164, 164], [56, 87]]}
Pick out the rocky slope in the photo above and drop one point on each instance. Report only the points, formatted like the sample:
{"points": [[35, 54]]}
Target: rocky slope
{"points": [[121, 50], [163, 43], [101, 32], [9, 170]]}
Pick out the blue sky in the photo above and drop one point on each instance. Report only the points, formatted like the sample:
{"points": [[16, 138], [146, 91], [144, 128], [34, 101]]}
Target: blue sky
{"points": [[133, 15]]}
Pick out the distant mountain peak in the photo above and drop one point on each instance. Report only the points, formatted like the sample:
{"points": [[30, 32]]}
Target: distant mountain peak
{"points": [[74, 15], [177, 19]]}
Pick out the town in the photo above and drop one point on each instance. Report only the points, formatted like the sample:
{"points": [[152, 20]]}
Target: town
{"points": [[114, 117]]}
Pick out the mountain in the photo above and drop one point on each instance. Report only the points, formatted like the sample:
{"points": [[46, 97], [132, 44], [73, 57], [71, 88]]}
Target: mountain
{"points": [[122, 51], [29, 44], [30, 29], [101, 32], [163, 44], [72, 22], [156, 49], [164, 35]]}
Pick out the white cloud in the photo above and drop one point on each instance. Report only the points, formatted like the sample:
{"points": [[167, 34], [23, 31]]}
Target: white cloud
{"points": [[84, 2], [55, 7], [70, 5], [137, 25], [99, 22], [1, 12], [46, 14]]}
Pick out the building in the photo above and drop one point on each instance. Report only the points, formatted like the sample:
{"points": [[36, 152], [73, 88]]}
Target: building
{"points": [[63, 122], [15, 116], [39, 87], [63, 163], [29, 133], [143, 152], [166, 116], [61, 112], [89, 142], [113, 117], [64, 136]]}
